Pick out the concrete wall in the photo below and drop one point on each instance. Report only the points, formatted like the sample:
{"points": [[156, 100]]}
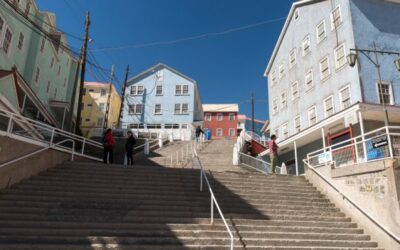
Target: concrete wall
{"points": [[24, 169], [374, 187]]}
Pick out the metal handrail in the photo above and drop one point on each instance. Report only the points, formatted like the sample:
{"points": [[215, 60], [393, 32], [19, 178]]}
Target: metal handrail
{"points": [[41, 150], [259, 160], [344, 196], [213, 199]]}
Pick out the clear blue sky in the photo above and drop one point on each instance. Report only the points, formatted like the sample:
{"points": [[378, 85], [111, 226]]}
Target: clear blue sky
{"points": [[227, 67]]}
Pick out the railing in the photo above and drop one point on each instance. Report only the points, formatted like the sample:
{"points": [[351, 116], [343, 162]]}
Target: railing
{"points": [[379, 144], [182, 156], [353, 203], [41, 134], [255, 163], [203, 176]]}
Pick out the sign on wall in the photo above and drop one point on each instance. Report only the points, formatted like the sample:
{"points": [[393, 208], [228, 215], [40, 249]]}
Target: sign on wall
{"points": [[380, 141]]}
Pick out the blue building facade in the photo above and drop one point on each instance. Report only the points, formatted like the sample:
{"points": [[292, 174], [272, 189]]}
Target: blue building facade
{"points": [[161, 99], [312, 89]]}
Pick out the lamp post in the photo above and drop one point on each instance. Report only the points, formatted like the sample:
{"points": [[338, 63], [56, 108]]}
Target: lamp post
{"points": [[352, 59]]}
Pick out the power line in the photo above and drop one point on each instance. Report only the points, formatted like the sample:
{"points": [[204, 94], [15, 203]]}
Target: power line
{"points": [[196, 37]]}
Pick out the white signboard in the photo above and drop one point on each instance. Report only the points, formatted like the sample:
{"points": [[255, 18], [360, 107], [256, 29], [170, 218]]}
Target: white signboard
{"points": [[324, 157]]}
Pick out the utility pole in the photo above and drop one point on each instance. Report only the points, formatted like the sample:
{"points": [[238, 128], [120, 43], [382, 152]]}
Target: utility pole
{"points": [[109, 99], [82, 80], [252, 113], [123, 96]]}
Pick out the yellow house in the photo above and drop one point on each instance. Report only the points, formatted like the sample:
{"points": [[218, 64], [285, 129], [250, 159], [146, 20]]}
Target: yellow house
{"points": [[94, 105]]}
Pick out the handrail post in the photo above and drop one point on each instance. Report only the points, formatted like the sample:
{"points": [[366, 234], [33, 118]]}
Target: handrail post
{"points": [[201, 180], [212, 209], [83, 145], [73, 150], [389, 142], [10, 124], [52, 136]]}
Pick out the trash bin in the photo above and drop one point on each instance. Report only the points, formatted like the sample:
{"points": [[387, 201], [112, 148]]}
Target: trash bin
{"points": [[208, 134]]}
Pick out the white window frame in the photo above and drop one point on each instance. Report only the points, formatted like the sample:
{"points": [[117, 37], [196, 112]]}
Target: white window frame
{"points": [[134, 110], [295, 90], [282, 70], [341, 97], [156, 109], [218, 134], [20, 45], [232, 132], [324, 72], [180, 110], [306, 41], [275, 107], [220, 117], [320, 36], [285, 131], [283, 97], [103, 91], [391, 99], [3, 39], [326, 114], [137, 90], [157, 89], [297, 124], [337, 63], [273, 78], [179, 89], [207, 117], [102, 106], [310, 118], [307, 86], [333, 26], [292, 58], [36, 78]]}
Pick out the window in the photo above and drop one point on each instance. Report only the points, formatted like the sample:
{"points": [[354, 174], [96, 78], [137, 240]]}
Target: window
{"points": [[55, 93], [306, 46], [1, 27], [273, 78], [285, 131], [219, 132], [308, 80], [321, 32], [91, 90], [283, 100], [277, 132], [336, 18], [52, 62], [185, 126], [90, 105], [27, 8], [181, 89], [345, 97], [171, 125], [231, 116], [295, 90], [340, 56], [37, 75], [59, 70], [137, 90], [153, 126], [136, 125], [103, 92], [220, 117], [312, 116], [7, 41], [275, 106], [232, 132], [87, 120], [65, 82], [324, 68], [48, 87], [181, 108], [207, 117], [282, 70], [157, 109], [42, 45], [135, 109], [160, 76], [99, 122], [159, 90], [296, 14], [102, 106], [292, 58], [385, 93], [328, 106], [21, 41], [297, 124]]}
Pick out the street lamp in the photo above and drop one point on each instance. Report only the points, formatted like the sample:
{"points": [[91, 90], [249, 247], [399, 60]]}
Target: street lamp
{"points": [[352, 59]]}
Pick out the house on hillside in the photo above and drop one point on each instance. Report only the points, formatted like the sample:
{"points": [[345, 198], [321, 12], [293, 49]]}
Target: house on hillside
{"points": [[161, 99], [245, 124], [221, 120], [314, 94], [38, 72]]}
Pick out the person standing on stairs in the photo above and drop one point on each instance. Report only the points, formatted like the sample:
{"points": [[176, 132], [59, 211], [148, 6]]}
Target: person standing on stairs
{"points": [[130, 143], [108, 143], [198, 132], [273, 152]]}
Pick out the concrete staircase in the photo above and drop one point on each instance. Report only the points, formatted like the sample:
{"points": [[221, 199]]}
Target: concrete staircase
{"points": [[95, 206]]}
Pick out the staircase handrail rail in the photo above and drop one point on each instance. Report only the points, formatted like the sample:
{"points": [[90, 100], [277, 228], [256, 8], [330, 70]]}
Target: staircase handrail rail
{"points": [[213, 199], [41, 150], [353, 203], [257, 159]]}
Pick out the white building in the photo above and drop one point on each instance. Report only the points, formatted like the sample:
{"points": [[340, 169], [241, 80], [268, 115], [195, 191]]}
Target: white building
{"points": [[312, 89]]}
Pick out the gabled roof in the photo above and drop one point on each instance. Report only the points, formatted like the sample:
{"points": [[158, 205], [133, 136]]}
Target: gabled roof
{"points": [[295, 5], [153, 69]]}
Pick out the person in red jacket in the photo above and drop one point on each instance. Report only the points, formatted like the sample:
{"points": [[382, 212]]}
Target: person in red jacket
{"points": [[108, 143]]}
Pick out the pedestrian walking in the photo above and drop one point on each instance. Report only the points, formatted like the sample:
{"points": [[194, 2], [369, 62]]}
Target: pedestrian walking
{"points": [[108, 143], [273, 152], [198, 133], [129, 145]]}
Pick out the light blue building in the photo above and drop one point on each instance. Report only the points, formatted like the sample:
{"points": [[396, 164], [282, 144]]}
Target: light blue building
{"points": [[161, 99], [312, 89]]}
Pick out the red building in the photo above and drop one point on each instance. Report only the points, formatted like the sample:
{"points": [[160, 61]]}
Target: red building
{"points": [[221, 119]]}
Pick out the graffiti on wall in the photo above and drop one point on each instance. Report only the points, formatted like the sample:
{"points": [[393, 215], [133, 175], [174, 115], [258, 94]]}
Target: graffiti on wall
{"points": [[374, 184]]}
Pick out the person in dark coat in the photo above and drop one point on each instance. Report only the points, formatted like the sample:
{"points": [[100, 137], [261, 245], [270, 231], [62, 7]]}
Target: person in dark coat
{"points": [[108, 143], [198, 132], [130, 143]]}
